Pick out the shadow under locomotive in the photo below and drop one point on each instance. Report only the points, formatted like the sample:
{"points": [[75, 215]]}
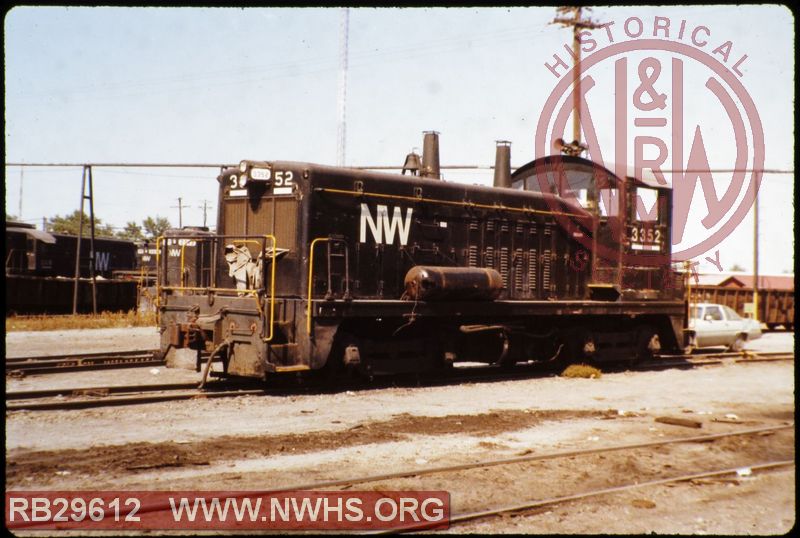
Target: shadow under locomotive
{"points": [[317, 267]]}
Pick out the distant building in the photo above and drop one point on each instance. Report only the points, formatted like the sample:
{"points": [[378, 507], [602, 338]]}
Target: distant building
{"points": [[743, 280]]}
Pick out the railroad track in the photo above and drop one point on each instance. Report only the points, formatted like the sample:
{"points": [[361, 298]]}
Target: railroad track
{"points": [[691, 361], [420, 473], [108, 396], [538, 503], [89, 397], [76, 362]]}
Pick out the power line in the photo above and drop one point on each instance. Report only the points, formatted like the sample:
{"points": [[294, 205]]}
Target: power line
{"points": [[318, 64], [344, 30], [368, 167]]}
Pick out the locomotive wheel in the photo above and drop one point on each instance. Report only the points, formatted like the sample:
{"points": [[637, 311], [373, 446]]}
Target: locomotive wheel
{"points": [[334, 367], [647, 345], [691, 346], [564, 351]]}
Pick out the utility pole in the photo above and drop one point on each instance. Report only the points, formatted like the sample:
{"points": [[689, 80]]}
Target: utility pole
{"points": [[21, 177], [344, 28], [86, 179], [204, 207], [180, 212], [578, 24], [755, 257]]}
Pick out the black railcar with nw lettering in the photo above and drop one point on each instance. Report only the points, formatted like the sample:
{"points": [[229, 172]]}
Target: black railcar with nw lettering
{"points": [[40, 270]]}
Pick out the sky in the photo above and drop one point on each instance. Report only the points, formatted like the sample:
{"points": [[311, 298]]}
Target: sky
{"points": [[215, 86]]}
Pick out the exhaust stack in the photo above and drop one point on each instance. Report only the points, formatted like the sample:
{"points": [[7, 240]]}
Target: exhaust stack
{"points": [[502, 164], [430, 155]]}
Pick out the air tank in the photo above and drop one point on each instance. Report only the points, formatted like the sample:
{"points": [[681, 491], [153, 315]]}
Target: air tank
{"points": [[430, 283]]}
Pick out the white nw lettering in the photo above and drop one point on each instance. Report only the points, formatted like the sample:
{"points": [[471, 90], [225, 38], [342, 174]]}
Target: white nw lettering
{"points": [[101, 260], [383, 227]]}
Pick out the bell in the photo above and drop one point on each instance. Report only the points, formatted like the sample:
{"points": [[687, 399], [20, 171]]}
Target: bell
{"points": [[412, 164]]}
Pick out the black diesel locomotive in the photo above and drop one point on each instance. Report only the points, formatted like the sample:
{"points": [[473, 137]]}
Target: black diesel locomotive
{"points": [[324, 267], [37, 253], [40, 272]]}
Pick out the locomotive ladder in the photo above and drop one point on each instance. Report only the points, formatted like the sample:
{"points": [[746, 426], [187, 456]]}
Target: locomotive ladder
{"points": [[330, 255]]}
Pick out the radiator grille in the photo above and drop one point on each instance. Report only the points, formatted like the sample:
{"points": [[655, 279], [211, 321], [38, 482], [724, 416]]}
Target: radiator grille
{"points": [[241, 220], [546, 270], [533, 265], [518, 269], [472, 256], [504, 266]]}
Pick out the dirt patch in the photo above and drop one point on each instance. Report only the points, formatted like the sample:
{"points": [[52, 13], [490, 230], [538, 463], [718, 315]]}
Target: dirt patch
{"points": [[135, 457]]}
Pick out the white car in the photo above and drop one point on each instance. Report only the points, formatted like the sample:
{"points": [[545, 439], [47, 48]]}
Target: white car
{"points": [[719, 325]]}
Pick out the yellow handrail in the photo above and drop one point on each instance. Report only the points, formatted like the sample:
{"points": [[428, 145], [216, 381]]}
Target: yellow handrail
{"points": [[310, 279], [271, 288], [688, 278], [446, 202], [254, 293], [158, 278], [183, 267], [216, 290]]}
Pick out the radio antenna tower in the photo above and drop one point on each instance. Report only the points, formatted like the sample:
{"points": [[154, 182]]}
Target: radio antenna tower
{"points": [[342, 127]]}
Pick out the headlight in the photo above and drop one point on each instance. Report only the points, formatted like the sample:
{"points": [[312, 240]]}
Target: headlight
{"points": [[243, 166]]}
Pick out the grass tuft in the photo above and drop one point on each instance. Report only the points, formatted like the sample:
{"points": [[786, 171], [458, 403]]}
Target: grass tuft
{"points": [[581, 370], [104, 320]]}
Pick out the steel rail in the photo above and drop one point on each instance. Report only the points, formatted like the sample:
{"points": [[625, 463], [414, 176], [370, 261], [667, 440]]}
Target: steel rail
{"points": [[96, 391], [77, 363], [524, 459], [81, 362], [482, 374], [81, 355], [673, 361], [83, 367], [470, 516], [127, 400], [155, 507]]}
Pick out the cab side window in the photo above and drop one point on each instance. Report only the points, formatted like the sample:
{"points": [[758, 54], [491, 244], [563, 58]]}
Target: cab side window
{"points": [[714, 313]]}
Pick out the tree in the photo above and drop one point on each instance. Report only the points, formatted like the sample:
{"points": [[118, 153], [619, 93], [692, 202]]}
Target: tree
{"points": [[737, 267], [132, 232], [156, 227], [70, 224]]}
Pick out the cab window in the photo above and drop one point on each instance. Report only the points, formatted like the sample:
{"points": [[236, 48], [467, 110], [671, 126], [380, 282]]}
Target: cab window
{"points": [[646, 205], [713, 313]]}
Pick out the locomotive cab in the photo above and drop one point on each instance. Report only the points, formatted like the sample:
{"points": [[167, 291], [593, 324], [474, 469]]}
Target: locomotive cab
{"points": [[630, 241]]}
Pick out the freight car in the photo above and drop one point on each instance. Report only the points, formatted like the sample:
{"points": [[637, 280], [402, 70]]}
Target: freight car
{"points": [[317, 267], [40, 269], [775, 306]]}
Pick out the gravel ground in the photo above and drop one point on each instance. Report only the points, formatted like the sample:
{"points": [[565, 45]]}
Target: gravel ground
{"points": [[32, 343], [258, 442]]}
